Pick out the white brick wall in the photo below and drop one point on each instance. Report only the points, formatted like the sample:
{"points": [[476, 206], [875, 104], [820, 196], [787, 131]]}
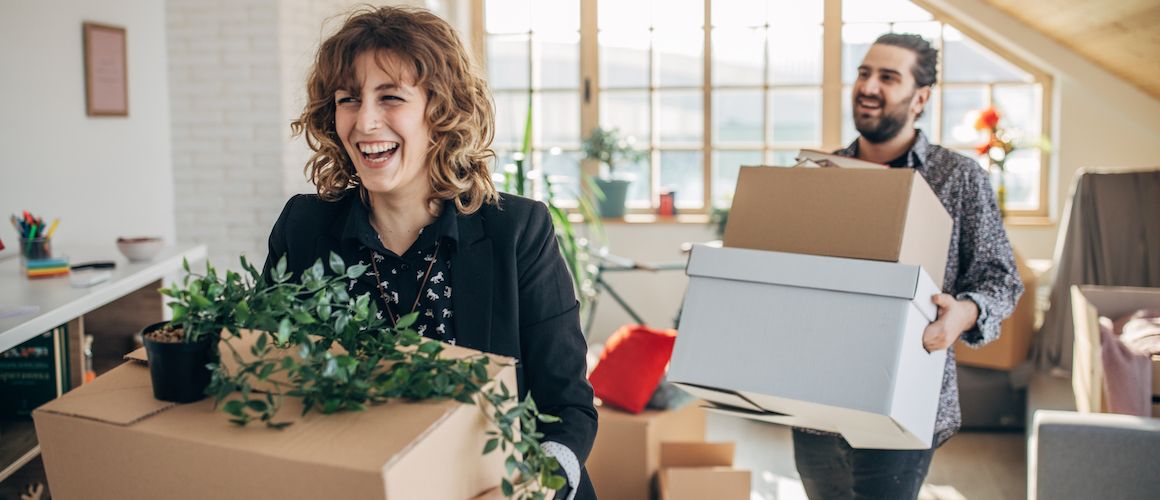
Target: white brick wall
{"points": [[237, 71]]}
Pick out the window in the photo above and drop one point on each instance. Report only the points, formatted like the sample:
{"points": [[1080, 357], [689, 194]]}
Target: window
{"points": [[706, 86]]}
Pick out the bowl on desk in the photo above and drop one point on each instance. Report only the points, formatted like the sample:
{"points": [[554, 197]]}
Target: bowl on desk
{"points": [[140, 249]]}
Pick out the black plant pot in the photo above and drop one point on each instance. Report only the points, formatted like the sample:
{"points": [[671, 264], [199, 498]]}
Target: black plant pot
{"points": [[178, 369]]}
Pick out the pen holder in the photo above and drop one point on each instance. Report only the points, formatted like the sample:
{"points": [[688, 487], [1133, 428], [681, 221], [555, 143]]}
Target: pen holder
{"points": [[36, 248]]}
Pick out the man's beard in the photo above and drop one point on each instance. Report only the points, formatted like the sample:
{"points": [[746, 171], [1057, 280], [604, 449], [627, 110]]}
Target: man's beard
{"points": [[887, 126]]}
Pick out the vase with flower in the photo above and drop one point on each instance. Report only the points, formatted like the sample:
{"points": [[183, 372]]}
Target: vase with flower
{"points": [[997, 147]]}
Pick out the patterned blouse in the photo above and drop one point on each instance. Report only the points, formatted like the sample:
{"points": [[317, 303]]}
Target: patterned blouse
{"points": [[980, 264], [418, 280]]}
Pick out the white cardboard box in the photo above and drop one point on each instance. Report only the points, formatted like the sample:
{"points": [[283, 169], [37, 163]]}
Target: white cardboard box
{"points": [[822, 342]]}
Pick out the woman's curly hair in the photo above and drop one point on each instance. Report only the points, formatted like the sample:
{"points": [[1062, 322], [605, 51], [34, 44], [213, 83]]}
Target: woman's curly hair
{"points": [[459, 108]]}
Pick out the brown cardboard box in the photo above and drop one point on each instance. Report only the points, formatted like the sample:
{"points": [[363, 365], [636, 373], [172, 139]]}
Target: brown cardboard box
{"points": [[694, 471], [1016, 333], [1088, 303], [889, 215], [109, 439], [627, 451]]}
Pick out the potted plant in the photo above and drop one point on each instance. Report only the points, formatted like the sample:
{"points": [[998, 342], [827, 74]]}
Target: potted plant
{"points": [[611, 149], [181, 350]]}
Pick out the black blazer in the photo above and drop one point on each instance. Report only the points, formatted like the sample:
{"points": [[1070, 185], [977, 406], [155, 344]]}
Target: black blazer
{"points": [[513, 297]]}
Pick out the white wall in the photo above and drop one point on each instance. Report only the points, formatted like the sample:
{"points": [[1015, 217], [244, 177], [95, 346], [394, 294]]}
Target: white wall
{"points": [[104, 177]]}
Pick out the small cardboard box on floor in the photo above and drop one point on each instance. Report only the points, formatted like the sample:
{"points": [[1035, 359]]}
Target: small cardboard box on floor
{"points": [[696, 471], [1088, 303], [110, 439], [627, 452], [1016, 334], [821, 342]]}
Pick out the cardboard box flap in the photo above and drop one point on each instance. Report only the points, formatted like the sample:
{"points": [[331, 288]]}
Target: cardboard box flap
{"points": [[122, 396], [694, 454], [887, 279], [1115, 302], [725, 399]]}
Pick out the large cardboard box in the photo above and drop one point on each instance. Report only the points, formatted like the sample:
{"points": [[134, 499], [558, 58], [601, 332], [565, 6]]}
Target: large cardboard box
{"points": [[889, 215], [697, 471], [627, 451], [1088, 303], [821, 342], [110, 439], [1016, 333]]}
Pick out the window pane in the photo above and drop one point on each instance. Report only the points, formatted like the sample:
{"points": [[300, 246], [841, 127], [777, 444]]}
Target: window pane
{"points": [[508, 16], [738, 56], [1022, 179], [784, 158], [511, 110], [926, 121], [680, 116], [856, 40], [679, 57], [559, 60], [639, 193], [726, 164], [678, 14], [556, 16], [623, 15], [795, 116], [966, 61], [737, 116], [882, 11], [959, 107], [796, 11], [627, 111], [849, 133], [563, 169], [624, 58], [507, 62], [738, 13], [682, 171], [558, 119], [1019, 106], [795, 55]]}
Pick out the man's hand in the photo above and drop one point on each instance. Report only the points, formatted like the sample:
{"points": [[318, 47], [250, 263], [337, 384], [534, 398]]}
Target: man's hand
{"points": [[954, 318]]}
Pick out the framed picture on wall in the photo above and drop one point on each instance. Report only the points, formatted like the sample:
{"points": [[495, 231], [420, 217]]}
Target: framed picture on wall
{"points": [[106, 70]]}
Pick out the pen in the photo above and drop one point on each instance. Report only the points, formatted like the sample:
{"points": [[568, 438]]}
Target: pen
{"points": [[52, 228]]}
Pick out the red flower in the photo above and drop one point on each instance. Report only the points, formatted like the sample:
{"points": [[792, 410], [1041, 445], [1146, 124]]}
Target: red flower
{"points": [[983, 148], [988, 119]]}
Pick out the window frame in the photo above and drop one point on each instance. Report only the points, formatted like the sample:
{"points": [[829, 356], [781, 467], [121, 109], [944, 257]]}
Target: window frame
{"points": [[831, 86]]}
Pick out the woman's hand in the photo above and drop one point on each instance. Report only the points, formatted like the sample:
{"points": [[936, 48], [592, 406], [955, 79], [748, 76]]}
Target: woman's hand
{"points": [[954, 318]]}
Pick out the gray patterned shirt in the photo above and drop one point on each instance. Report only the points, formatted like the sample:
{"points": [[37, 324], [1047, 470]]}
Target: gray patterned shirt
{"points": [[980, 265]]}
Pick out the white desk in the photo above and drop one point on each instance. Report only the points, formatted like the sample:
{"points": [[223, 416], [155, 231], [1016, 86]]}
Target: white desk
{"points": [[59, 302]]}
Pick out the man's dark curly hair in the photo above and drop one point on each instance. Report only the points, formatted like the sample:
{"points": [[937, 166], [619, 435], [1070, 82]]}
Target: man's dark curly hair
{"points": [[925, 68]]}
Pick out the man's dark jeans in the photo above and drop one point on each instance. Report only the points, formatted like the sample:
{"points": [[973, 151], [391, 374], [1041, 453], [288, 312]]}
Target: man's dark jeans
{"points": [[831, 470]]}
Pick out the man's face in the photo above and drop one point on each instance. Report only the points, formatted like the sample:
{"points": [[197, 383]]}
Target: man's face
{"points": [[885, 97]]}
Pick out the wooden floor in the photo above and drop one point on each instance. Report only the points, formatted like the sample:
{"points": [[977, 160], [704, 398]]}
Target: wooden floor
{"points": [[972, 465]]}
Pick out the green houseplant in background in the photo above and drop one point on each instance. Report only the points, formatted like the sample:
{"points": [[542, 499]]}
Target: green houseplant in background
{"points": [[576, 246], [612, 150]]}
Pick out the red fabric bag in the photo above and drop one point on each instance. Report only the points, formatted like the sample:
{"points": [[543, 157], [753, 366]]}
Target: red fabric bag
{"points": [[631, 366]]}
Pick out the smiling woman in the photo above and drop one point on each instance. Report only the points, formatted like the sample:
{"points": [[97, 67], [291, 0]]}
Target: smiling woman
{"points": [[401, 126]]}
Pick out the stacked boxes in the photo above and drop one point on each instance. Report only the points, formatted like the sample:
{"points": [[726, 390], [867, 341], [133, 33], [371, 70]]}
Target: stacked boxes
{"points": [[813, 313]]}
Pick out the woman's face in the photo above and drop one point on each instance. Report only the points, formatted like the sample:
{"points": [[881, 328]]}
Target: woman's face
{"points": [[383, 127]]}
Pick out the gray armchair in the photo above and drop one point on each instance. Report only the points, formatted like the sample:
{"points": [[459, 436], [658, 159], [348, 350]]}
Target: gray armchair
{"points": [[1093, 455]]}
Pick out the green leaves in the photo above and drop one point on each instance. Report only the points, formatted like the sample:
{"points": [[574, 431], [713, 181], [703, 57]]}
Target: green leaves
{"points": [[300, 323]]}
